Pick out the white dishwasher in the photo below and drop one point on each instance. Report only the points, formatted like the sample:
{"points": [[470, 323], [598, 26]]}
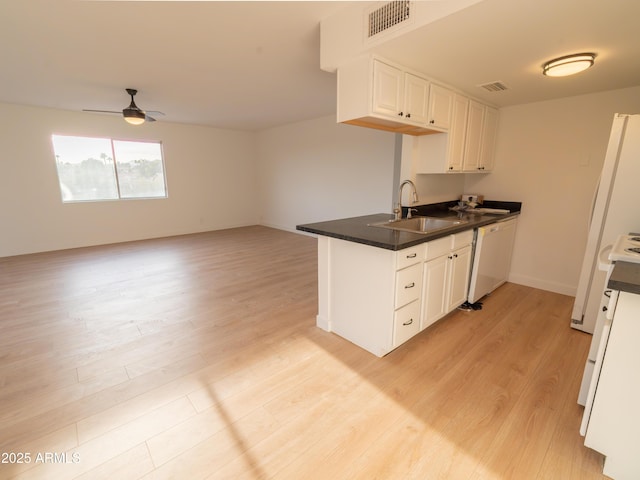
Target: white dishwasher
{"points": [[492, 258]]}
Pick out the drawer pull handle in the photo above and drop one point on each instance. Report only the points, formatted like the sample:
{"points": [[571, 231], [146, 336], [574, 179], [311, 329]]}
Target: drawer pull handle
{"points": [[413, 255], [411, 285], [408, 322]]}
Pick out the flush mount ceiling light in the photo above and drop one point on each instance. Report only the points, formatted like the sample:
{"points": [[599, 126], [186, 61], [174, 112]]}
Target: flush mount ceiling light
{"points": [[568, 65]]}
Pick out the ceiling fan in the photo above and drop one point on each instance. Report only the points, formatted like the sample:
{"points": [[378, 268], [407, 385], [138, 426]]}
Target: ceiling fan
{"points": [[132, 114]]}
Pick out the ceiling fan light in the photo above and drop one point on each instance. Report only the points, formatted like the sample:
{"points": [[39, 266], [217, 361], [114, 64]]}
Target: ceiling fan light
{"points": [[133, 116], [568, 65]]}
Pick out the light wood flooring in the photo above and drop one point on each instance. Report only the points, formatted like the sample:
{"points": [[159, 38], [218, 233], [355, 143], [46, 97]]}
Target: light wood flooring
{"points": [[197, 357]]}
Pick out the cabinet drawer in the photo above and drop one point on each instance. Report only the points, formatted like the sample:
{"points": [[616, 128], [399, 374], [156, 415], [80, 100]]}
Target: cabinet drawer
{"points": [[408, 284], [461, 239], [409, 256], [406, 323]]}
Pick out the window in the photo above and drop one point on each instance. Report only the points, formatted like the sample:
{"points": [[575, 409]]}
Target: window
{"points": [[91, 169]]}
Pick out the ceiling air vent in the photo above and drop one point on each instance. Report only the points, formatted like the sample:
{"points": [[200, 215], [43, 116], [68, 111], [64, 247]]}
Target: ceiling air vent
{"points": [[494, 86], [387, 16]]}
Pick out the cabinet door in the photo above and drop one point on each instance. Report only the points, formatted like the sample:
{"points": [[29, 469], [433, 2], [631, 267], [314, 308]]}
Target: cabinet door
{"points": [[473, 138], [440, 105], [434, 298], [457, 133], [489, 132], [460, 264], [416, 94], [387, 90]]}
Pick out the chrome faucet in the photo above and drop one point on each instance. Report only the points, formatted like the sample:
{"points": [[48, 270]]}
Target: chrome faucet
{"points": [[398, 210]]}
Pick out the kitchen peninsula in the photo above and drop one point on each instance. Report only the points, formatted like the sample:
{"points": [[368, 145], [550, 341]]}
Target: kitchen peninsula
{"points": [[378, 287]]}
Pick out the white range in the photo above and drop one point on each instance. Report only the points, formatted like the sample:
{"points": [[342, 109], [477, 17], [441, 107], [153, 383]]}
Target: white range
{"points": [[626, 248]]}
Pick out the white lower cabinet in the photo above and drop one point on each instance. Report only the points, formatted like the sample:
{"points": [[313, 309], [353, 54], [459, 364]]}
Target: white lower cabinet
{"points": [[446, 276], [379, 299], [369, 295], [459, 277], [434, 305], [408, 285], [406, 323], [614, 424]]}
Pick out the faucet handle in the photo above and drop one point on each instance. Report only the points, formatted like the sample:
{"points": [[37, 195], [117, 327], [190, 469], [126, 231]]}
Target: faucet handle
{"points": [[409, 210]]}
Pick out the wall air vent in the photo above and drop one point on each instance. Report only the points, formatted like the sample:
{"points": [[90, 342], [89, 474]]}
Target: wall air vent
{"points": [[387, 16], [497, 86]]}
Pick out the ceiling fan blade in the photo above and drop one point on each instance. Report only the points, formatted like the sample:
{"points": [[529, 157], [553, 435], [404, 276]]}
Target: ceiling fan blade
{"points": [[149, 118], [100, 111], [154, 112]]}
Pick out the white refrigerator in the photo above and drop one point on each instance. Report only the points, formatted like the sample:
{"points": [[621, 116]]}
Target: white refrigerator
{"points": [[614, 214]]}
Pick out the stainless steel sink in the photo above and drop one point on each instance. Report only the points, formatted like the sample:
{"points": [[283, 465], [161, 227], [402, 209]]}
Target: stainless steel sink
{"points": [[420, 224]]}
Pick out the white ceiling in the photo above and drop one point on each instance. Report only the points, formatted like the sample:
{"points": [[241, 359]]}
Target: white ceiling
{"points": [[252, 65], [509, 40]]}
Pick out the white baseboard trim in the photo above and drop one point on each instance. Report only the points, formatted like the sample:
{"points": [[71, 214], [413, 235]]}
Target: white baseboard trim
{"points": [[323, 323], [280, 227], [543, 284]]}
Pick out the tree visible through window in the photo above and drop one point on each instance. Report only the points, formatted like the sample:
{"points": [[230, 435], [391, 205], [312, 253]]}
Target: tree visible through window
{"points": [[87, 170]]}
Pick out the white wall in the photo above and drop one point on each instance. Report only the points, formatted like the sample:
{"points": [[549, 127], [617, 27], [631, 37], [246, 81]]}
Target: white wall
{"points": [[210, 174], [318, 170], [549, 155]]}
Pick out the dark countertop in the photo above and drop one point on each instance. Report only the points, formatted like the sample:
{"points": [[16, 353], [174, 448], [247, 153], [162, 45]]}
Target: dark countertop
{"points": [[625, 277], [357, 229]]}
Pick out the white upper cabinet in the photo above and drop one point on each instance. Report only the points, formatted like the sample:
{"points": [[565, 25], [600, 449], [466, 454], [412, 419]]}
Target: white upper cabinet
{"points": [[451, 132], [482, 127], [416, 95], [440, 106], [379, 94], [388, 98], [468, 147], [457, 133], [400, 96], [489, 133], [473, 138]]}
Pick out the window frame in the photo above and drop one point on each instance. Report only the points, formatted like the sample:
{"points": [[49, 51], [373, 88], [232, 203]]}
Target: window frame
{"points": [[115, 169]]}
